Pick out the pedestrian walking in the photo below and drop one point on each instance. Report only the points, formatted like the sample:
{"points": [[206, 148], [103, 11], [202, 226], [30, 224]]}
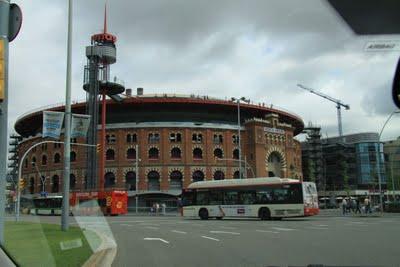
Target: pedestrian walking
{"points": [[164, 208], [358, 206], [344, 206], [348, 206], [367, 204], [157, 208]]}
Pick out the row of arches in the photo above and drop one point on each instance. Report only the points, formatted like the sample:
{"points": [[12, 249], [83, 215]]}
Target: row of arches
{"points": [[153, 153], [153, 180]]}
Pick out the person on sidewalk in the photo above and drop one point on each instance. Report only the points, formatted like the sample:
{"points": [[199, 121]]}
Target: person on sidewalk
{"points": [[367, 204], [344, 206], [164, 208], [358, 206]]}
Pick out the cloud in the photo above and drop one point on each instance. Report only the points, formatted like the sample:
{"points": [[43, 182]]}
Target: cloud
{"points": [[259, 49]]}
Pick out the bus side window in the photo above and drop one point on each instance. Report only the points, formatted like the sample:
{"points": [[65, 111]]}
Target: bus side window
{"points": [[202, 198], [264, 197], [216, 197], [231, 197], [247, 197], [188, 198]]}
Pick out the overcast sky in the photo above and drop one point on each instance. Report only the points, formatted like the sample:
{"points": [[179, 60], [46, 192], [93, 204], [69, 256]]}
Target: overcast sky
{"points": [[257, 49]]}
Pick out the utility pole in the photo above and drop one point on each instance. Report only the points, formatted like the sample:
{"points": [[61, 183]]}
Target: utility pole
{"points": [[67, 132], [239, 138], [10, 24], [4, 19]]}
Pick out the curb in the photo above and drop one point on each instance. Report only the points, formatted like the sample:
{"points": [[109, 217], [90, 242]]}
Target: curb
{"points": [[104, 254], [5, 260]]}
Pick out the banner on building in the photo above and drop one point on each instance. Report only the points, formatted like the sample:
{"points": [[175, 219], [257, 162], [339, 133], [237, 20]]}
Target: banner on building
{"points": [[52, 124], [79, 125]]}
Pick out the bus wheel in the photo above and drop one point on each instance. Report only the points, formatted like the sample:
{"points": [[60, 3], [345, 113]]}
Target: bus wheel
{"points": [[218, 218], [203, 213], [264, 214]]}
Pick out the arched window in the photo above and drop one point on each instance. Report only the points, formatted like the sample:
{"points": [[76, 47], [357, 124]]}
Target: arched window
{"points": [[110, 154], [153, 153], [57, 158], [44, 160], [197, 153], [198, 176], [73, 156], [236, 175], [130, 180], [109, 180], [219, 175], [55, 187], [175, 180], [153, 178], [131, 153], [26, 163], [33, 161], [72, 181], [218, 153], [236, 153], [129, 138], [175, 153], [32, 185]]}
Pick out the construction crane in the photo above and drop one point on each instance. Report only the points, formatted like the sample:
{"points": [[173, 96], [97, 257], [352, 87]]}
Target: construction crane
{"points": [[338, 103]]}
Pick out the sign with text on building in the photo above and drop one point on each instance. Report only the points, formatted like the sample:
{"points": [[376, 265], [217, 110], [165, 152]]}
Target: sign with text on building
{"points": [[52, 124], [274, 130], [79, 125]]}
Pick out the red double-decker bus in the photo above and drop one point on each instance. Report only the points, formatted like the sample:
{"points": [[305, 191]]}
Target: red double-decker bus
{"points": [[109, 202]]}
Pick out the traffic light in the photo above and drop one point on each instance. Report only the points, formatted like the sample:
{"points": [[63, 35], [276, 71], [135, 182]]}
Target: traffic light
{"points": [[21, 184], [98, 148], [2, 70]]}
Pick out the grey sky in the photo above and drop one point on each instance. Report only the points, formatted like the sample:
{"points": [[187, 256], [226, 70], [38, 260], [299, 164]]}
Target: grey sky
{"points": [[258, 49]]}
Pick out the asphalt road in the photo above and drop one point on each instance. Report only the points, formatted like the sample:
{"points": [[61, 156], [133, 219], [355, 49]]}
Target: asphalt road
{"points": [[154, 241], [174, 241]]}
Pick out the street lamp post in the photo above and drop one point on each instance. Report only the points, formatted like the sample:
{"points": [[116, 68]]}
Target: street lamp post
{"points": [[379, 157], [243, 99]]}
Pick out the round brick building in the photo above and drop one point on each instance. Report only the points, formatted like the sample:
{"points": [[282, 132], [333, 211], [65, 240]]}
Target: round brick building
{"points": [[180, 139]]}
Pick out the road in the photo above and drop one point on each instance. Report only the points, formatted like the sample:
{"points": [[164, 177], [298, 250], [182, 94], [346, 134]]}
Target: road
{"points": [[331, 241], [174, 241]]}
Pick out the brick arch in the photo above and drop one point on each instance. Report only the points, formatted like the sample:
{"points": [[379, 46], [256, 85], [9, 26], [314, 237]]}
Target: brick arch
{"points": [[197, 146], [281, 154], [149, 169], [129, 169], [180, 169]]}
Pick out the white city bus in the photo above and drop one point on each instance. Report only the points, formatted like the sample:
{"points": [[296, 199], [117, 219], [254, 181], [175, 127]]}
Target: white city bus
{"points": [[264, 198]]}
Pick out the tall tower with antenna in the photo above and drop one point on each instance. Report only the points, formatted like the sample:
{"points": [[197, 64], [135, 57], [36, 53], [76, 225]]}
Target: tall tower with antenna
{"points": [[100, 55]]}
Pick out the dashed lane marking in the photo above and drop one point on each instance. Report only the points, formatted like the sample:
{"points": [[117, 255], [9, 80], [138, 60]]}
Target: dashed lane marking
{"points": [[211, 238], [156, 239], [224, 232], [124, 224], [152, 227], [227, 227], [267, 231], [316, 228], [283, 229], [179, 232]]}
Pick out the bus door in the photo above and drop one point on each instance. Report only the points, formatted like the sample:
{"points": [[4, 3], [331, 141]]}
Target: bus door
{"points": [[310, 198]]}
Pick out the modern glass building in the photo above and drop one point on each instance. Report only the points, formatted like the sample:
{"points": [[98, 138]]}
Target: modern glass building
{"points": [[351, 162]]}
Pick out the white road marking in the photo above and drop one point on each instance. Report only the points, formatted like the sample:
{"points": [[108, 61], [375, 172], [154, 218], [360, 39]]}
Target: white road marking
{"points": [[179, 232], [155, 238], [283, 229], [227, 227], [317, 228], [123, 224], [207, 237], [149, 224], [152, 227], [126, 221], [223, 232], [322, 225], [266, 231]]}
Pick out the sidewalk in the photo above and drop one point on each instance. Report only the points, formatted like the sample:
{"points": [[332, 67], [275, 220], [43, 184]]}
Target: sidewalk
{"points": [[5, 260], [338, 213]]}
